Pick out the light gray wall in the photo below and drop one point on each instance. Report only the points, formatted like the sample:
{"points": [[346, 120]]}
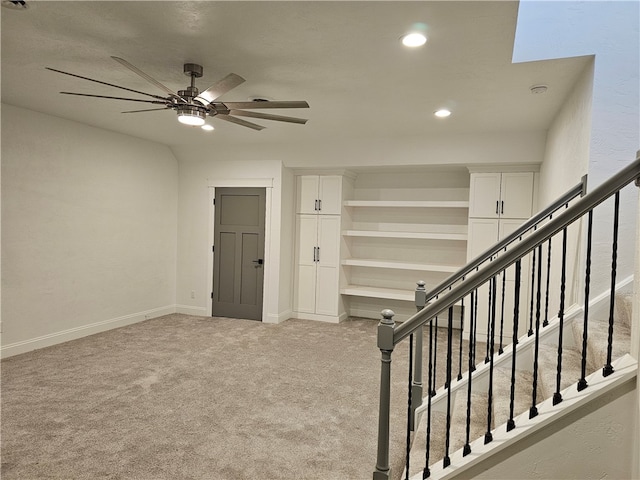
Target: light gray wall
{"points": [[593, 442], [89, 222]]}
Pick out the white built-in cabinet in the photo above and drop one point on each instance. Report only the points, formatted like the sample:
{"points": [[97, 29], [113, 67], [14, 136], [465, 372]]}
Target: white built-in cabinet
{"points": [[317, 251], [499, 202], [501, 195], [319, 194], [363, 240]]}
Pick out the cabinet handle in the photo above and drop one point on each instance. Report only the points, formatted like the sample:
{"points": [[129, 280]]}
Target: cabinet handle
{"points": [[318, 254], [319, 204], [314, 254], [497, 203], [316, 206], [502, 207]]}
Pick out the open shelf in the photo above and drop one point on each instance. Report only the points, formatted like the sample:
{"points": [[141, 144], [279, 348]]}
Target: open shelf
{"points": [[422, 267], [377, 292], [401, 227], [417, 235], [407, 203]]}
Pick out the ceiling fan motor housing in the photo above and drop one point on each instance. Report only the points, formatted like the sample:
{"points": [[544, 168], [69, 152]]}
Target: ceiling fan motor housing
{"points": [[190, 93], [193, 69]]}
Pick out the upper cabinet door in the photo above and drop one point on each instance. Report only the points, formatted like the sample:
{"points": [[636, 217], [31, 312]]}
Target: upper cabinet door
{"points": [[516, 192], [484, 195], [319, 194], [330, 195], [307, 194]]}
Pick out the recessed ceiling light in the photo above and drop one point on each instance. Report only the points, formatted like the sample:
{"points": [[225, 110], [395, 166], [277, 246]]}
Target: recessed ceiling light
{"points": [[207, 127], [414, 39], [442, 113]]}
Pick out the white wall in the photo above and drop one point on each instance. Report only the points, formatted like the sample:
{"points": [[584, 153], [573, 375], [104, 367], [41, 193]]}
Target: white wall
{"points": [[202, 167], [200, 170], [584, 445], [610, 31], [89, 223], [566, 160], [287, 243]]}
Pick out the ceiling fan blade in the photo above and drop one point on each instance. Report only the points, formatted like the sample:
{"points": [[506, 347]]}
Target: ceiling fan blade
{"points": [[147, 110], [105, 83], [267, 116], [239, 121], [221, 87], [267, 104], [148, 78], [157, 102]]}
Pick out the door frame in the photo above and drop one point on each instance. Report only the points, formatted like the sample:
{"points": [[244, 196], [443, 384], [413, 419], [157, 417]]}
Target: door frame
{"points": [[267, 184]]}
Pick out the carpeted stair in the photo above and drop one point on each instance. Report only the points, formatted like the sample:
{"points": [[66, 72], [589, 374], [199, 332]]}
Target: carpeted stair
{"points": [[546, 380]]}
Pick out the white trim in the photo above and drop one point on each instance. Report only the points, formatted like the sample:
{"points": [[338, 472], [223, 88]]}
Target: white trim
{"points": [[499, 168], [604, 296], [320, 318], [191, 310], [279, 318], [240, 182], [82, 331]]}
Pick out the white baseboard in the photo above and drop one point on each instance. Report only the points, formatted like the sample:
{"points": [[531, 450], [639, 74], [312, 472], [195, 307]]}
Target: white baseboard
{"points": [[190, 310], [320, 318], [278, 318], [82, 331]]}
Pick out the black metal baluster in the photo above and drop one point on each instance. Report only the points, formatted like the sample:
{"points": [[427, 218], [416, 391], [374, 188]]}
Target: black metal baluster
{"points": [[557, 396], [511, 424], [467, 446], [546, 298], [582, 383], [446, 461], [475, 330], [491, 296], [461, 337], [533, 285], [426, 472], [504, 283], [488, 437], [409, 423], [608, 368], [533, 411], [435, 355]]}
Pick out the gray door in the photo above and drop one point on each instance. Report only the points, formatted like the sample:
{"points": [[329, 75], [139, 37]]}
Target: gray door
{"points": [[238, 253]]}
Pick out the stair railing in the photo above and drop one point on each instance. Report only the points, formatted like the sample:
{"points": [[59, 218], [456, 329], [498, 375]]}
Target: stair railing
{"points": [[422, 296], [390, 334]]}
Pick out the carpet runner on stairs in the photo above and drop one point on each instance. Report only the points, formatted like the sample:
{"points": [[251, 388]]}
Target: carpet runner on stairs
{"points": [[546, 379]]}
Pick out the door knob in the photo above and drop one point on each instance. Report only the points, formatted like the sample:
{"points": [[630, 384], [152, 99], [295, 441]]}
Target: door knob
{"points": [[258, 261]]}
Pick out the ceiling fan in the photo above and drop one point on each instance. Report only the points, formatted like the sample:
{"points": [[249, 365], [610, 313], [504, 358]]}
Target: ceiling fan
{"points": [[192, 105]]}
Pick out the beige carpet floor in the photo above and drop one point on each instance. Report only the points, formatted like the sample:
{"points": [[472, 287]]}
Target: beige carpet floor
{"points": [[184, 397]]}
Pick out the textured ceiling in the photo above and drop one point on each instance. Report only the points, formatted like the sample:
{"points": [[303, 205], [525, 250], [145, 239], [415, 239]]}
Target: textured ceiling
{"points": [[344, 58]]}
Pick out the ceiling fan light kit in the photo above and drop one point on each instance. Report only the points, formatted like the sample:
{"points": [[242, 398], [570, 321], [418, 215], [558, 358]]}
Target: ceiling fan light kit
{"points": [[190, 115], [193, 106]]}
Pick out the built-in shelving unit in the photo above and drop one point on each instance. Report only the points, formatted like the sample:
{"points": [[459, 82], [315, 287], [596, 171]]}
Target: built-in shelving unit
{"points": [[401, 227]]}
